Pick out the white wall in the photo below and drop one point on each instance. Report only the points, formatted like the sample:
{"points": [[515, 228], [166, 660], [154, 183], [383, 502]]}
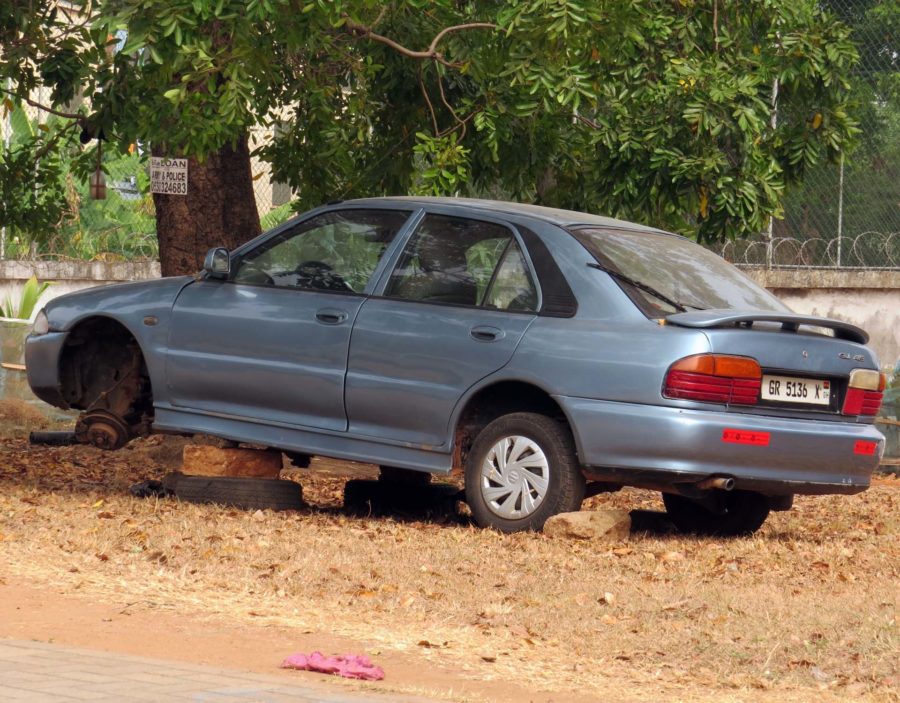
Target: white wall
{"points": [[867, 299]]}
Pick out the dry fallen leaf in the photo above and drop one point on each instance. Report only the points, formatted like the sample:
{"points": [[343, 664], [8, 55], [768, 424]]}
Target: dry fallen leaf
{"points": [[431, 645]]}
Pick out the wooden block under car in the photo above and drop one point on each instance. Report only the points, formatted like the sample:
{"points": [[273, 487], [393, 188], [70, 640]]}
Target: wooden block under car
{"points": [[202, 460]]}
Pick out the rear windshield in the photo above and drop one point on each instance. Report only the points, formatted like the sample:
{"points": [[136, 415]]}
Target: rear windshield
{"points": [[680, 270]]}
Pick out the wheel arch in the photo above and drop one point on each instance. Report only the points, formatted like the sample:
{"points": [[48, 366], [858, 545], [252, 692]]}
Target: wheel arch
{"points": [[119, 351], [492, 399]]}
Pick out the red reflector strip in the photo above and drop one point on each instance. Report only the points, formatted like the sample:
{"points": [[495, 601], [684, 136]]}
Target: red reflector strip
{"points": [[716, 389], [757, 439], [862, 402], [865, 448], [871, 402]]}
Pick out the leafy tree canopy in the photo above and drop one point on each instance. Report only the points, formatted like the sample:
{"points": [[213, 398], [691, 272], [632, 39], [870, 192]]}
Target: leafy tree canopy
{"points": [[656, 111]]}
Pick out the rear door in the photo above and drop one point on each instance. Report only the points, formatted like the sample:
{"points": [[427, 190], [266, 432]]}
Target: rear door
{"points": [[452, 311], [271, 342]]}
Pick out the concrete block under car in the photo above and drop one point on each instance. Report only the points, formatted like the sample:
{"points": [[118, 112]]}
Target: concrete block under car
{"points": [[611, 525], [202, 460]]}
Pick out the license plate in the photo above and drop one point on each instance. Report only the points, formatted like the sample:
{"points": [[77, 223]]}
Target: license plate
{"points": [[787, 389]]}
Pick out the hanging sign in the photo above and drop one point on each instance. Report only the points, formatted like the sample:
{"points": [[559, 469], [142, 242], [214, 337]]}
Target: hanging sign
{"points": [[169, 176]]}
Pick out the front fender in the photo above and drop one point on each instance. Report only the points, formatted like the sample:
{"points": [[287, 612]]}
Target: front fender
{"points": [[143, 308]]}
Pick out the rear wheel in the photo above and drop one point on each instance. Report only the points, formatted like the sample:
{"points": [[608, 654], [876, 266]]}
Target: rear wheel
{"points": [[522, 470], [742, 513]]}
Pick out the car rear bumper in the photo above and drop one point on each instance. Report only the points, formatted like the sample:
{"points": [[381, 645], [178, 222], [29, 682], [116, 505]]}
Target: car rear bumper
{"points": [[42, 366], [649, 444]]}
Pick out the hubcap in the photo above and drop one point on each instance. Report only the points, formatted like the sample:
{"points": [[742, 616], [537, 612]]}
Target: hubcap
{"points": [[515, 476]]}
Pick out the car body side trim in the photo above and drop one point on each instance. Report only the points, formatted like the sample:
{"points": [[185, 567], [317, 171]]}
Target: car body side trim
{"points": [[338, 445]]}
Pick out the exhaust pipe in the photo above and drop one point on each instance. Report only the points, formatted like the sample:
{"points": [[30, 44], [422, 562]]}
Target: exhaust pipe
{"points": [[720, 482]]}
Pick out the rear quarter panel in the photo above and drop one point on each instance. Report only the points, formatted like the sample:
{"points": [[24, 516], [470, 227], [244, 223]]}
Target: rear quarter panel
{"points": [[611, 360], [609, 350]]}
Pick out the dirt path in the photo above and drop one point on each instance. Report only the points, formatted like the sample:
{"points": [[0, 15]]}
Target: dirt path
{"points": [[804, 610], [34, 612]]}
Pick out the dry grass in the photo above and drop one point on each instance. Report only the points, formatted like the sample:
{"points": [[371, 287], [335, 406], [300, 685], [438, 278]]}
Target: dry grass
{"points": [[17, 416], [804, 610]]}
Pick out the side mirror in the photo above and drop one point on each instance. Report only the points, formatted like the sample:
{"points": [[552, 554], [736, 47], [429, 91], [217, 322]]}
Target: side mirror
{"points": [[217, 263]]}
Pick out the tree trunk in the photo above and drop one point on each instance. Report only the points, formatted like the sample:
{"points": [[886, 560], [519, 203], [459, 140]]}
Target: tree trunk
{"points": [[219, 209]]}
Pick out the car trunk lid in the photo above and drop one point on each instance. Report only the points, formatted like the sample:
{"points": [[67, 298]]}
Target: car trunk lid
{"points": [[805, 369]]}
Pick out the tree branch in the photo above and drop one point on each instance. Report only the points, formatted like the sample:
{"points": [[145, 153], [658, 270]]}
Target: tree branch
{"points": [[459, 122], [431, 53], [428, 101], [39, 106], [716, 24], [587, 120]]}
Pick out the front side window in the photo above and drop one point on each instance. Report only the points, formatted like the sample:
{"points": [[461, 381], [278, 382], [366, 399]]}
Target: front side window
{"points": [[671, 274], [336, 251], [460, 261]]}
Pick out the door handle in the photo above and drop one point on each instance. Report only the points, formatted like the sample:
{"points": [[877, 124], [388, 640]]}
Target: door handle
{"points": [[484, 333], [331, 316]]}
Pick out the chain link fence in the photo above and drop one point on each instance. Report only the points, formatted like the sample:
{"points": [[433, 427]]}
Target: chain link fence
{"points": [[847, 214]]}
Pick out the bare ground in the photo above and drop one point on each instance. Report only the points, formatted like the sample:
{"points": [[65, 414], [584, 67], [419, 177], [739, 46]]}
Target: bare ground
{"points": [[804, 610]]}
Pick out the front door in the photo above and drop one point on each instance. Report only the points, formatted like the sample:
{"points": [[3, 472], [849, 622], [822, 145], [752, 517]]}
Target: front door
{"points": [[452, 312], [271, 342]]}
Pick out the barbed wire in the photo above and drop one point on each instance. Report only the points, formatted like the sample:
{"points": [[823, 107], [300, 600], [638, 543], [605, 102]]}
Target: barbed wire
{"points": [[868, 250]]}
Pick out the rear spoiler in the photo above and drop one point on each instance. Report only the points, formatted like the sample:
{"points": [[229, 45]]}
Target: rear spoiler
{"points": [[789, 321]]}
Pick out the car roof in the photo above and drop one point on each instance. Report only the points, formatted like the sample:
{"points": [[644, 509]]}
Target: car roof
{"points": [[557, 216]]}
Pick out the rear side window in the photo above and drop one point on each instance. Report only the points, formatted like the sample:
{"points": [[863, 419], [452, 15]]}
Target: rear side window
{"points": [[681, 271], [459, 261]]}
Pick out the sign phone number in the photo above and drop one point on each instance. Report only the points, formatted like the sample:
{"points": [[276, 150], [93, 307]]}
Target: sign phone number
{"points": [[168, 176]]}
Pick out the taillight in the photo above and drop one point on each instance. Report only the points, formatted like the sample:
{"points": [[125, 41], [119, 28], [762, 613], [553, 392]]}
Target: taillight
{"points": [[865, 392], [714, 378]]}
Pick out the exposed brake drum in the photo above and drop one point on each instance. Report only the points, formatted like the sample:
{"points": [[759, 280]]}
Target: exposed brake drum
{"points": [[102, 429]]}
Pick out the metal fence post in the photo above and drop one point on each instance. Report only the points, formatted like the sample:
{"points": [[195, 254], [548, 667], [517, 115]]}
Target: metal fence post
{"points": [[840, 218], [7, 130], [774, 123]]}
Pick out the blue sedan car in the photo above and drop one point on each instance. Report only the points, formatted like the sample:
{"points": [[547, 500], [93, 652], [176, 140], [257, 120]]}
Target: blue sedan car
{"points": [[543, 354]]}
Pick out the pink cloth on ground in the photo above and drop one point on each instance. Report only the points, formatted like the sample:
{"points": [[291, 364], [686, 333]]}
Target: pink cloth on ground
{"points": [[350, 666]]}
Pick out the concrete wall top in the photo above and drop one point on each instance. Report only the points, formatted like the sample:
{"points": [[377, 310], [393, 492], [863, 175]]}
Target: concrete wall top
{"points": [[99, 271], [824, 278]]}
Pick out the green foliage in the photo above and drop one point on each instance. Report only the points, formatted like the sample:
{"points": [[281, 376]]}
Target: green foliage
{"points": [[120, 226], [647, 111], [275, 217], [32, 177], [657, 111], [52, 211], [28, 300], [442, 169]]}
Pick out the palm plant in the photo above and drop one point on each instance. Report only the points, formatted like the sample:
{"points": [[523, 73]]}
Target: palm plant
{"points": [[28, 299]]}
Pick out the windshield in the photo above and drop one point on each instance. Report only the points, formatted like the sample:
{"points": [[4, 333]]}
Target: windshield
{"points": [[669, 273]]}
